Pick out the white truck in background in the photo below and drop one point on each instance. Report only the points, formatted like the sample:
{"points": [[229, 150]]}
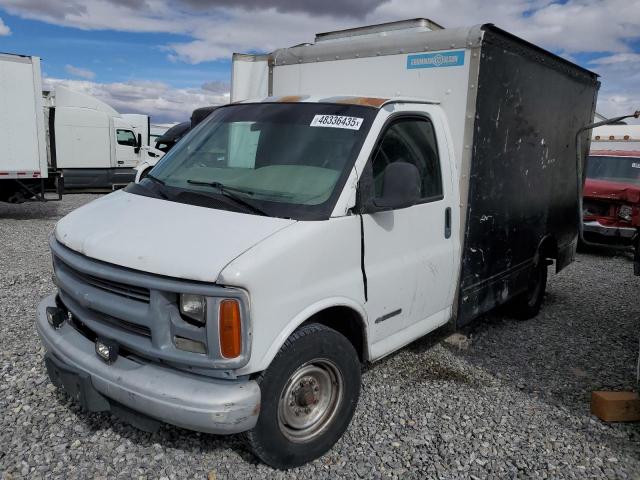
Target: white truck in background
{"points": [[94, 145], [616, 137], [23, 134], [157, 130], [171, 136], [61, 138]]}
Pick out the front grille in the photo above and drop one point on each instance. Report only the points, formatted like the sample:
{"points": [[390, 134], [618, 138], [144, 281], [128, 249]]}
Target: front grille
{"points": [[133, 292], [122, 324], [138, 310]]}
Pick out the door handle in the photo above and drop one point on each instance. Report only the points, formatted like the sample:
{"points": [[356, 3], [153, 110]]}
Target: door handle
{"points": [[120, 162], [447, 222]]}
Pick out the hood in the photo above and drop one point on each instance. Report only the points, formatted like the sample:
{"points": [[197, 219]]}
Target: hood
{"points": [[162, 237], [606, 190]]}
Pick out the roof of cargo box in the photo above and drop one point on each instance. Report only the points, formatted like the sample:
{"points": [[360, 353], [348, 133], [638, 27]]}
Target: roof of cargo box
{"points": [[375, 102], [418, 24], [16, 57], [409, 36]]}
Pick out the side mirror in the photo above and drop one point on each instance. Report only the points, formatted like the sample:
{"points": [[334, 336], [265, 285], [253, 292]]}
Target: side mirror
{"points": [[138, 145], [400, 186]]}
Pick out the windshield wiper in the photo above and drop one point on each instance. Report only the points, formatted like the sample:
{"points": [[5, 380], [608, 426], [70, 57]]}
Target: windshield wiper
{"points": [[227, 192]]}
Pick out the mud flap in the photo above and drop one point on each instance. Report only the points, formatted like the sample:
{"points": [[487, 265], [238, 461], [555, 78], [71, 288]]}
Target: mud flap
{"points": [[78, 386]]}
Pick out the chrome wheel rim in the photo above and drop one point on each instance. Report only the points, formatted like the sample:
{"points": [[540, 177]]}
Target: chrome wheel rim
{"points": [[310, 400]]}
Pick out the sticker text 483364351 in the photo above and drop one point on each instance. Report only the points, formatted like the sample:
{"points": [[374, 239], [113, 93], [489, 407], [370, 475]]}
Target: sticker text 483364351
{"points": [[336, 121]]}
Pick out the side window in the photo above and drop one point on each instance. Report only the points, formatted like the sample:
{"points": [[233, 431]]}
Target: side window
{"points": [[410, 140], [126, 137]]}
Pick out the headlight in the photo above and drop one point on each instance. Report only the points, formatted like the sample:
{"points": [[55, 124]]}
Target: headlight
{"points": [[625, 212], [194, 307]]}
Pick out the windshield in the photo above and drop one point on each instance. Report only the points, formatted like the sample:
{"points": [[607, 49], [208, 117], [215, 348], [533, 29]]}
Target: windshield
{"points": [[614, 169], [288, 159]]}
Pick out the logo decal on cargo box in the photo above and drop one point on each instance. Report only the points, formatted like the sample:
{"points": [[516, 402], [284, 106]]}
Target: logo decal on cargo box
{"points": [[433, 60]]}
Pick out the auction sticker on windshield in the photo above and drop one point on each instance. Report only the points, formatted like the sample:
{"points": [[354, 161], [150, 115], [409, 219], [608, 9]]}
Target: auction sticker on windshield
{"points": [[337, 121]]}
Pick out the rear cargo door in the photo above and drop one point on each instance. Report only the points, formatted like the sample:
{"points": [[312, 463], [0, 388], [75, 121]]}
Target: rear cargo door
{"points": [[408, 259], [23, 150]]}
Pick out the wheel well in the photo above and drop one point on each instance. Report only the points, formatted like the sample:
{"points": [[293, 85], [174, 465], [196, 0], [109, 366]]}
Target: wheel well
{"points": [[548, 248], [346, 321]]}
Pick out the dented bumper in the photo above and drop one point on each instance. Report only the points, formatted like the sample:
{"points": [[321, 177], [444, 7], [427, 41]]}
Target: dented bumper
{"points": [[189, 401], [611, 232]]}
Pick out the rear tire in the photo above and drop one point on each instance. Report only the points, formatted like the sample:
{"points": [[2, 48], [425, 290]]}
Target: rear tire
{"points": [[527, 304], [309, 394]]}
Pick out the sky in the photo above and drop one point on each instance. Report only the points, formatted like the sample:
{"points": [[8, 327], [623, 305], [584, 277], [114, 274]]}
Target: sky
{"points": [[168, 57]]}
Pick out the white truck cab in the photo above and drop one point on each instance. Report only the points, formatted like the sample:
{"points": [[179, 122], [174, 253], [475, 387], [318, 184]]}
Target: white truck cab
{"points": [[287, 240], [95, 146]]}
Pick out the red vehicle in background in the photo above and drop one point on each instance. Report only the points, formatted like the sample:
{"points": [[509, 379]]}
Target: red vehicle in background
{"points": [[611, 205]]}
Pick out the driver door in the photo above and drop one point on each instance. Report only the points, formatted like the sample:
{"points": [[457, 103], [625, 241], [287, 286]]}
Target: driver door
{"points": [[126, 143], [408, 252]]}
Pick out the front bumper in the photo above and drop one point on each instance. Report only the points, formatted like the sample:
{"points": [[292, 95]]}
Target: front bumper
{"points": [[179, 398], [607, 232]]}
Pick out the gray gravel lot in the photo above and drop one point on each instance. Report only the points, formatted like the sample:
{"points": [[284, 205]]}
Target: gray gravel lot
{"points": [[514, 403]]}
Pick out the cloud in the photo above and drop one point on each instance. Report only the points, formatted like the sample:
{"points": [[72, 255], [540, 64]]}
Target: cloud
{"points": [[217, 87], [163, 102], [79, 72], [118, 15], [620, 76], [618, 58], [349, 8], [76, 9], [214, 29], [219, 27], [4, 29]]}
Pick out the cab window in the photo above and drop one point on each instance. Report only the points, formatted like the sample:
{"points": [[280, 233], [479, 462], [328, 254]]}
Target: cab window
{"points": [[126, 137], [411, 140]]}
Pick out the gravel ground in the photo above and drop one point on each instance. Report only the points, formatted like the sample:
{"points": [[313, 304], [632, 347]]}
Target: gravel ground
{"points": [[512, 401]]}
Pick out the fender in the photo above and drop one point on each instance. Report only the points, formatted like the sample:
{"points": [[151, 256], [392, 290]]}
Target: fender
{"points": [[305, 315]]}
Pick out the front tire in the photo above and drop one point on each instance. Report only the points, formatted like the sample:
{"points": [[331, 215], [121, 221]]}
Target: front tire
{"points": [[309, 394]]}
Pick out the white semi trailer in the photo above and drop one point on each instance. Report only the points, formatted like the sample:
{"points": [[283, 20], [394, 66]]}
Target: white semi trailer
{"points": [[61, 138], [23, 156]]}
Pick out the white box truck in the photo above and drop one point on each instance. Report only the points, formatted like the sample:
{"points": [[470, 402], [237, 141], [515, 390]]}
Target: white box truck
{"points": [[23, 147], [391, 180], [50, 136]]}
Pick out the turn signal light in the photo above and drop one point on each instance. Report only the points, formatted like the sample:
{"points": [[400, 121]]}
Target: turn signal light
{"points": [[230, 328]]}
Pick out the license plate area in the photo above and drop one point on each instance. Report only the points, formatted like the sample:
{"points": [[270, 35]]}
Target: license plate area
{"points": [[76, 384]]}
